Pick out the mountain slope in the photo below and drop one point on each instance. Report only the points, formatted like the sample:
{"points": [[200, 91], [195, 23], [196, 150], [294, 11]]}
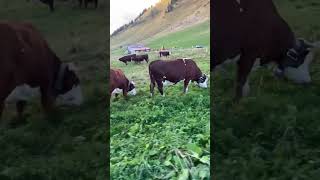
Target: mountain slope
{"points": [[157, 21]]}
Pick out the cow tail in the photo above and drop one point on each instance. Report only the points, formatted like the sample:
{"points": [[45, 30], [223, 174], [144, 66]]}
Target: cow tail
{"points": [[151, 76]]}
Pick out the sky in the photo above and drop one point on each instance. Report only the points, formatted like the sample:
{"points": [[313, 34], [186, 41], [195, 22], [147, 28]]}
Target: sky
{"points": [[123, 11]]}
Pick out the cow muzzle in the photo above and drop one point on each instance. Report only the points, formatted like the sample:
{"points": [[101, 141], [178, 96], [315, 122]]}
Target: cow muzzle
{"points": [[73, 97], [301, 74], [303, 52], [133, 92], [203, 81]]}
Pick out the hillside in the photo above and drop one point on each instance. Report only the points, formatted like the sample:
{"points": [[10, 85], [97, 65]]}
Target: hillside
{"points": [[156, 21], [162, 137]]}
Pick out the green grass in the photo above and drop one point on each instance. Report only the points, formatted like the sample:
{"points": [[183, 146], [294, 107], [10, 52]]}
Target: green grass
{"points": [[161, 137], [273, 133], [69, 144], [195, 35]]}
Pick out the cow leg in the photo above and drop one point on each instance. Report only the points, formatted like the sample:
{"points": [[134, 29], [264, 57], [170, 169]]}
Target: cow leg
{"points": [[47, 100], [125, 93], [186, 84], [51, 4], [5, 88], [20, 105], [1, 108], [96, 4], [152, 84], [80, 3], [244, 68], [160, 87], [85, 3]]}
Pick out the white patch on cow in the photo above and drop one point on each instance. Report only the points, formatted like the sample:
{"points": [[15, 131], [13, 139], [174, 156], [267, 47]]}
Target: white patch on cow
{"points": [[71, 98], [117, 91], [256, 64], [301, 74], [221, 67], [163, 95], [167, 83], [246, 88], [204, 84], [133, 92], [150, 94], [23, 93]]}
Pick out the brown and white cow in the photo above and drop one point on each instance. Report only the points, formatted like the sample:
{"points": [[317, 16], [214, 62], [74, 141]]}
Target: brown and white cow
{"points": [[119, 83], [171, 72], [28, 65], [253, 30]]}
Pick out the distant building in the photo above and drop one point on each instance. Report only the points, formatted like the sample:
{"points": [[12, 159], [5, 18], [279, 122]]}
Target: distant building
{"points": [[132, 49]]}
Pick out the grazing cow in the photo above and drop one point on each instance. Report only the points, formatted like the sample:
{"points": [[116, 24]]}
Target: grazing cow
{"points": [[164, 53], [140, 58], [86, 3], [119, 83], [27, 64], [127, 58], [255, 30], [171, 72], [50, 3]]}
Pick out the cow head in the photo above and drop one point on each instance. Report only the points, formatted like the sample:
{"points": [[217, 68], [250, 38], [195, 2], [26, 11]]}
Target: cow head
{"points": [[203, 81], [67, 86], [132, 89], [122, 59], [295, 65]]}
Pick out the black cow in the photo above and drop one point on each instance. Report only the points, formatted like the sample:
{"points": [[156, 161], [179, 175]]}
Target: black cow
{"points": [[171, 72], [254, 29], [164, 53], [127, 58], [140, 58]]}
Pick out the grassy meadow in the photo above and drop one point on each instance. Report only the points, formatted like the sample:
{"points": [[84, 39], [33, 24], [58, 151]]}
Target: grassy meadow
{"points": [[71, 143], [162, 137], [273, 133]]}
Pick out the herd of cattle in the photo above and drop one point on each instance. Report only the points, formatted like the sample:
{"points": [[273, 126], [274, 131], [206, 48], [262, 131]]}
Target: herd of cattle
{"points": [[50, 3], [143, 57], [161, 73], [255, 32], [29, 67]]}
